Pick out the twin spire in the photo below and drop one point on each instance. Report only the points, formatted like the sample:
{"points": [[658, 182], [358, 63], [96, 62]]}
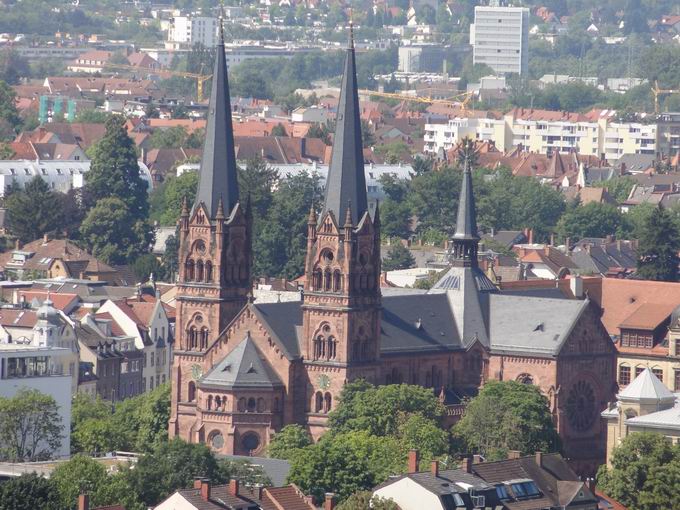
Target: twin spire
{"points": [[218, 174]]}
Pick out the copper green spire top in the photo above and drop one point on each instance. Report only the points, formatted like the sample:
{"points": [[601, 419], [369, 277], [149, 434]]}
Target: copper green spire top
{"points": [[218, 164]]}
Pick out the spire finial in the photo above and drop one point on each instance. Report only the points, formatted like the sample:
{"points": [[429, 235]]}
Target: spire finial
{"points": [[220, 209], [220, 20], [185, 207], [312, 216]]}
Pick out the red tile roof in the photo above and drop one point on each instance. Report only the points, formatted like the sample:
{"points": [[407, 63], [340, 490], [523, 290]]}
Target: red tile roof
{"points": [[61, 301], [10, 317]]}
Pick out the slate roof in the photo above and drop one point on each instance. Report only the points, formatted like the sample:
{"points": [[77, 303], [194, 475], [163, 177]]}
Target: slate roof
{"points": [[666, 419], [242, 368], [646, 386], [218, 164], [466, 223], [220, 499], [346, 183]]}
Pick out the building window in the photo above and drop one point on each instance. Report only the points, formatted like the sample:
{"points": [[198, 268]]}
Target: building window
{"points": [[638, 370], [191, 391], [208, 271], [252, 405], [327, 402], [318, 402], [624, 375], [676, 380], [658, 373]]}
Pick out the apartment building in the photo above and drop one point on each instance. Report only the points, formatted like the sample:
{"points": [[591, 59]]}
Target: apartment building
{"points": [[544, 132], [500, 38], [189, 30], [668, 134]]}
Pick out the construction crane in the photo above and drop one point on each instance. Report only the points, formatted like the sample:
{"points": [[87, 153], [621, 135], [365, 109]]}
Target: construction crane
{"points": [[657, 92], [464, 98], [200, 78]]}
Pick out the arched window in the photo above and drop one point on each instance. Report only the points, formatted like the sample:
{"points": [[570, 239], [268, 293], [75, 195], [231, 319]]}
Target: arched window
{"points": [[208, 271], [275, 408], [199, 271], [210, 402], [260, 405], [190, 270], [337, 281], [218, 403], [192, 391], [252, 405], [193, 338], [331, 348], [204, 338], [241, 404], [327, 402], [327, 280], [525, 379], [318, 404], [316, 277]]}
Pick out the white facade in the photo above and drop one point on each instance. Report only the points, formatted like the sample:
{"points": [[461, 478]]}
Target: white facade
{"points": [[157, 355], [500, 38], [190, 30], [29, 367], [446, 136], [60, 175], [410, 495]]}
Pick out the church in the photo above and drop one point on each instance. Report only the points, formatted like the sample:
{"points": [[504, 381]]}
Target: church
{"points": [[243, 370]]}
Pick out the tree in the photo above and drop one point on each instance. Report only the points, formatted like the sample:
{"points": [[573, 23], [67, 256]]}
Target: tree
{"points": [[288, 441], [590, 220], [30, 426], [434, 199], [175, 190], [114, 171], [346, 463], [279, 130], [170, 138], [170, 257], [507, 415], [395, 219], [80, 474], [659, 243], [399, 257], [365, 500], [113, 234], [172, 465], [618, 187], [34, 211], [321, 131], [28, 492], [13, 67], [146, 265], [367, 135], [257, 182], [639, 466], [92, 116], [245, 472]]}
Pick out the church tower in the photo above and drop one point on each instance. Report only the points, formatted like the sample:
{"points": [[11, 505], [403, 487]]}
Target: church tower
{"points": [[214, 249], [341, 307]]}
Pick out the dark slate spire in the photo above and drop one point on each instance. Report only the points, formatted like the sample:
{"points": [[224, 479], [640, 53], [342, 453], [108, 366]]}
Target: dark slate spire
{"points": [[218, 165], [466, 225], [346, 183]]}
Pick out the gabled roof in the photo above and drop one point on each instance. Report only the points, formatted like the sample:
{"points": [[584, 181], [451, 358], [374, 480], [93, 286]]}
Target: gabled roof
{"points": [[648, 316], [346, 183], [647, 387], [218, 180], [242, 368]]}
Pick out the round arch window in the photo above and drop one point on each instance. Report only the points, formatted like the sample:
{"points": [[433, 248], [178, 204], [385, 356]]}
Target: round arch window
{"points": [[250, 441], [217, 441], [581, 406]]}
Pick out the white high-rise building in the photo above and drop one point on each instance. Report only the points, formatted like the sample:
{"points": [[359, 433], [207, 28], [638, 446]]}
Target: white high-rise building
{"points": [[500, 38], [190, 30]]}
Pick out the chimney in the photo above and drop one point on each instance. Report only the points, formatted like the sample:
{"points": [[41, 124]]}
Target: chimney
{"points": [[205, 489], [514, 454], [46, 238], [539, 458], [552, 239], [413, 461], [477, 459], [531, 236], [576, 286], [434, 468], [197, 483], [83, 502], [233, 487], [467, 465], [17, 244], [591, 484], [329, 502], [567, 243]]}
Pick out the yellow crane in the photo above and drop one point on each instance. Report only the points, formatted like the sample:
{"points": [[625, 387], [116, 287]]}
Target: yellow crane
{"points": [[458, 101], [657, 92], [200, 78]]}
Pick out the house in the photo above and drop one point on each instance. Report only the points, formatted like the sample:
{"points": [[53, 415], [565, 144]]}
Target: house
{"points": [[205, 496], [56, 258], [535, 482], [93, 62], [544, 260], [148, 321], [606, 257], [645, 405]]}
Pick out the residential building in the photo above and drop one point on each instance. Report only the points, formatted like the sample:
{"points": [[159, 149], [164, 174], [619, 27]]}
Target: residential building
{"points": [[500, 38], [186, 31], [57, 258], [422, 58], [536, 482], [205, 496], [621, 138], [146, 320], [605, 257], [242, 370], [668, 134], [93, 61], [25, 366], [645, 405]]}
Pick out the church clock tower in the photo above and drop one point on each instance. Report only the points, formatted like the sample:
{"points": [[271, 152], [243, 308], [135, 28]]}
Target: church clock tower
{"points": [[341, 307], [214, 253]]}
